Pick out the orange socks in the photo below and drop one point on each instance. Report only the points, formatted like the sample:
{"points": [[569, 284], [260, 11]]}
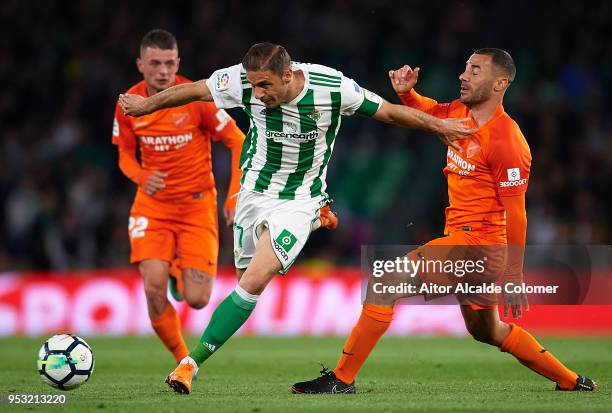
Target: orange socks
{"points": [[372, 324], [529, 352], [168, 329]]}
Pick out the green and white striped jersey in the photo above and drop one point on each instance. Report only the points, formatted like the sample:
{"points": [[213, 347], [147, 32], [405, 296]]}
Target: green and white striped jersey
{"points": [[287, 148]]}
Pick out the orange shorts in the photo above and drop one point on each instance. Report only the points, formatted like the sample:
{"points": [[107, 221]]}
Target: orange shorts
{"points": [[464, 246], [187, 230]]}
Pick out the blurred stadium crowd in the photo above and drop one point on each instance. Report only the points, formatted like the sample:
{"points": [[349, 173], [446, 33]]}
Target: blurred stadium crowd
{"points": [[64, 203]]}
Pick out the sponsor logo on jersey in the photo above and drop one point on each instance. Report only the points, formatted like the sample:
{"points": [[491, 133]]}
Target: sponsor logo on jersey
{"points": [[286, 240], [300, 137], [514, 178], [455, 160], [507, 184], [166, 143], [280, 250], [514, 174], [223, 80], [356, 86]]}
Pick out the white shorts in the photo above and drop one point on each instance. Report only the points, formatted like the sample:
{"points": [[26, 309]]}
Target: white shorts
{"points": [[290, 223]]}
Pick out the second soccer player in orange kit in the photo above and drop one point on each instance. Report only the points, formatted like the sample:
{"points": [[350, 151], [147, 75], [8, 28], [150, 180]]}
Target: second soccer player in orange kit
{"points": [[173, 222], [487, 178]]}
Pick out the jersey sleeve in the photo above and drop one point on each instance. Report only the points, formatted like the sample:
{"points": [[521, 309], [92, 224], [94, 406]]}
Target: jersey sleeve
{"points": [[355, 99], [509, 159], [123, 135], [225, 86], [215, 120], [428, 105]]}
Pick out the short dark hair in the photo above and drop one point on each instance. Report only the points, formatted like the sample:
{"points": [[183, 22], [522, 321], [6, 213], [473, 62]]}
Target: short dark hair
{"points": [[159, 39], [267, 56], [501, 59]]}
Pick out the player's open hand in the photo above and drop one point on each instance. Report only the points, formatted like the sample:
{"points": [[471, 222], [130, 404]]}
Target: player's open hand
{"points": [[516, 302], [404, 78], [133, 105], [452, 129], [154, 182]]}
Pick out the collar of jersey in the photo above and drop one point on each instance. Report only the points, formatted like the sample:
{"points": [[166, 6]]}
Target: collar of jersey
{"points": [[300, 95]]}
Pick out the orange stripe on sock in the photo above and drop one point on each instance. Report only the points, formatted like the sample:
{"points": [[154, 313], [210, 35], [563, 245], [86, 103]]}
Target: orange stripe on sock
{"points": [[530, 353], [168, 329], [372, 324]]}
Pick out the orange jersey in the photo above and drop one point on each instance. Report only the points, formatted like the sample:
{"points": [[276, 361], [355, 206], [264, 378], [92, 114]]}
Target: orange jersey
{"points": [[494, 162], [177, 141]]}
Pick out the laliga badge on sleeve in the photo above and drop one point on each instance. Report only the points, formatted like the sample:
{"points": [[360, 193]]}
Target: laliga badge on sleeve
{"points": [[223, 80]]}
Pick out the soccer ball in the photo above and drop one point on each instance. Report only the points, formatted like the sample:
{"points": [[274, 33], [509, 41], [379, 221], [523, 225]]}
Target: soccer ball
{"points": [[65, 361]]}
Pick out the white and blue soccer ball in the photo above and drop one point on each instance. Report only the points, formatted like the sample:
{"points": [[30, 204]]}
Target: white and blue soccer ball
{"points": [[65, 361]]}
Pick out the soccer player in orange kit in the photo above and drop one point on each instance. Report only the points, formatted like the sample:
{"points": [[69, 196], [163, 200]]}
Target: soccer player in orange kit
{"points": [[174, 216], [487, 180]]}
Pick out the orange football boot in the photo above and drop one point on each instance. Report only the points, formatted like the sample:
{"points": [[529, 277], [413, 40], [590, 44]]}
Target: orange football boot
{"points": [[328, 218], [180, 379]]}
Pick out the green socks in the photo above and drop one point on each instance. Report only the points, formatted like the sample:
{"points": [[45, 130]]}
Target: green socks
{"points": [[228, 317]]}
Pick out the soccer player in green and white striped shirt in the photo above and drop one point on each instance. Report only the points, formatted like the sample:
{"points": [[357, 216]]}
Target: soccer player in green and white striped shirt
{"points": [[295, 113]]}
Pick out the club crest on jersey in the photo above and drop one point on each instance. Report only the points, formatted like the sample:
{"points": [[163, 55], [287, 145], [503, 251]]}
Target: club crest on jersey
{"points": [[315, 114], [473, 148], [179, 119], [223, 80]]}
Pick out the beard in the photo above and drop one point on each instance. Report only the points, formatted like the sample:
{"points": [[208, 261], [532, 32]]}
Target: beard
{"points": [[477, 95]]}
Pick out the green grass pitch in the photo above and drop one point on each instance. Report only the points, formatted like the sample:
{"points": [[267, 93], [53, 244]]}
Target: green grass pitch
{"points": [[255, 374]]}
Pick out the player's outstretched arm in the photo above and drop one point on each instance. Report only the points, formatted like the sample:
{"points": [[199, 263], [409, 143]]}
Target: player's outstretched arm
{"points": [[516, 232], [448, 130], [136, 105]]}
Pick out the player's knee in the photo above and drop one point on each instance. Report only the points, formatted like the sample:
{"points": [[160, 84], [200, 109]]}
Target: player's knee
{"points": [[155, 281], [483, 337], [198, 302], [484, 334], [476, 330]]}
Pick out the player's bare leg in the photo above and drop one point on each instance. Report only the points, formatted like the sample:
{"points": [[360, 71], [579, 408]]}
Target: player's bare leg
{"points": [[262, 268], [164, 319], [231, 313], [198, 287], [485, 326], [155, 276]]}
